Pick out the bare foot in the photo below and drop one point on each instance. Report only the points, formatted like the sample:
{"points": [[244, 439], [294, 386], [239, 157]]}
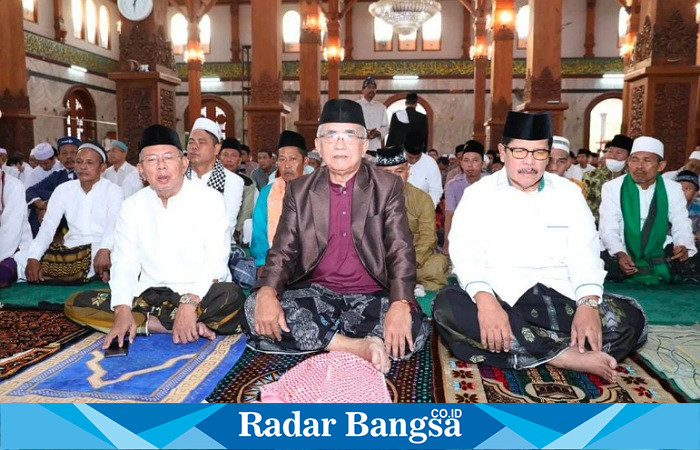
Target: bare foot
{"points": [[155, 326], [370, 349], [597, 363], [205, 331]]}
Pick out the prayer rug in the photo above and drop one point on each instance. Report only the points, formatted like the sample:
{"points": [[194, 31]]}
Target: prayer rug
{"points": [[28, 336], [462, 382], [409, 381], [156, 370], [674, 353], [663, 304], [25, 295]]}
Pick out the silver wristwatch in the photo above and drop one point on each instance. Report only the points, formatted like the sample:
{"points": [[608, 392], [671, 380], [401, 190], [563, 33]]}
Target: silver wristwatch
{"points": [[588, 301], [187, 300]]}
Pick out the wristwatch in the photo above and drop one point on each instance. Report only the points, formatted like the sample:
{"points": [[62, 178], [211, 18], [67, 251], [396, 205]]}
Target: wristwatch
{"points": [[187, 300], [588, 301]]}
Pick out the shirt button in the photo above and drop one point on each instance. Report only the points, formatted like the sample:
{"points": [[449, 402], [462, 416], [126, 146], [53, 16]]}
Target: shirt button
{"points": [[344, 212], [345, 234]]}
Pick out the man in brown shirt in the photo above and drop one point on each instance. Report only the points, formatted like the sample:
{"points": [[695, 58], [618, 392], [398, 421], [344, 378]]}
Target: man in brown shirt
{"points": [[341, 271]]}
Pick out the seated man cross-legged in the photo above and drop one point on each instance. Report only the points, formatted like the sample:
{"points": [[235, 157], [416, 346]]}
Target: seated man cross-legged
{"points": [[169, 265], [531, 289], [341, 270]]}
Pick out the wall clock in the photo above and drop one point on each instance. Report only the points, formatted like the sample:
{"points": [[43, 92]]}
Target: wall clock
{"points": [[135, 10]]}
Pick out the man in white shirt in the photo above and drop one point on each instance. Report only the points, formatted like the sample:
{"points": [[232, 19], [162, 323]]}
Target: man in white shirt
{"points": [[375, 116], [46, 157], [90, 206], [170, 256], [14, 227], [693, 165], [635, 211], [424, 171], [119, 169], [531, 288], [577, 171], [202, 149]]}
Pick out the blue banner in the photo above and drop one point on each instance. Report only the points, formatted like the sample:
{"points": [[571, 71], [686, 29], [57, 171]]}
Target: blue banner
{"points": [[349, 426]]}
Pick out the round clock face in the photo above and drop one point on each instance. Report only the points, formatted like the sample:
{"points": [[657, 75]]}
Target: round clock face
{"points": [[135, 10]]}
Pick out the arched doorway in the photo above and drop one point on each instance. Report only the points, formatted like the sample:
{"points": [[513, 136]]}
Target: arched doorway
{"points": [[397, 102], [80, 114], [603, 120], [218, 110]]}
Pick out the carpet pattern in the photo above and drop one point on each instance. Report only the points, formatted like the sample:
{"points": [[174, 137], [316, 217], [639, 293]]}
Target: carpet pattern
{"points": [[674, 352], [27, 337], [464, 382], [156, 370], [408, 381], [25, 295]]}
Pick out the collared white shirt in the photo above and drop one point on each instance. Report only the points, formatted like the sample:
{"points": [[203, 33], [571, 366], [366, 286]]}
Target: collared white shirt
{"points": [[375, 117], [577, 172], [57, 165], [118, 176], [184, 246], [91, 218], [425, 175], [21, 176], [132, 184], [612, 226], [233, 195], [546, 236], [37, 175], [14, 227]]}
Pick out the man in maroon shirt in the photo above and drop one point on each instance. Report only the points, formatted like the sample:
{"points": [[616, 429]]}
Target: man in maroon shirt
{"points": [[342, 268]]}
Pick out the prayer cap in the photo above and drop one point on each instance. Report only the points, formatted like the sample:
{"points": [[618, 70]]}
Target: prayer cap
{"points": [[412, 97], [341, 110], [159, 135], [391, 156], [459, 148], [245, 148], [413, 143], [369, 80], [561, 143], [68, 140], [290, 138], [622, 141], [120, 145], [315, 155], [43, 151], [528, 127], [648, 144], [472, 146], [231, 143], [690, 177], [95, 147], [695, 155], [207, 125], [584, 151], [3, 151]]}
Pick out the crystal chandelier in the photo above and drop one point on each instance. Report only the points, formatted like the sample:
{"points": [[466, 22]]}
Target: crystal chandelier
{"points": [[405, 16]]}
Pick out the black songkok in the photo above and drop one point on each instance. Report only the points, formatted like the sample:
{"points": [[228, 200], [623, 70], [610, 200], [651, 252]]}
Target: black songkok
{"points": [[413, 143], [159, 135], [391, 156], [622, 141], [528, 127], [231, 143], [474, 147], [341, 110], [290, 138]]}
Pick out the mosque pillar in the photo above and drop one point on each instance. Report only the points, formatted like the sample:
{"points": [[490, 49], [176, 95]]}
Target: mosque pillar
{"points": [[266, 112], [626, 54], [480, 55], [235, 32], [194, 56], [503, 15], [466, 32], [348, 34], [16, 128], [663, 77], [309, 70], [333, 53], [589, 43], [543, 79]]}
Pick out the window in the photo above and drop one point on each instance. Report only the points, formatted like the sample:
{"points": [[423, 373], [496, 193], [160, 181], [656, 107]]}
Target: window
{"points": [[291, 31], [90, 21], [29, 7], [408, 42], [383, 36], [605, 120], [104, 27], [80, 116], [622, 19], [218, 110], [522, 26], [178, 33], [77, 13], [431, 32]]}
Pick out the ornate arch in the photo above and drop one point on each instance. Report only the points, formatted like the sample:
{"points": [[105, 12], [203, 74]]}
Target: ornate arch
{"points": [[428, 111], [80, 113], [226, 117], [589, 108]]}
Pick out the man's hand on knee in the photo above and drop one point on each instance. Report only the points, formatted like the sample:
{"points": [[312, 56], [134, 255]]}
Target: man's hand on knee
{"points": [[33, 271], [587, 325], [269, 315], [123, 323], [494, 324], [626, 264], [102, 264], [185, 323], [397, 329]]}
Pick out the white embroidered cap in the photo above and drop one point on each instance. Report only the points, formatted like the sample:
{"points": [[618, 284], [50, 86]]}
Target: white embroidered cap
{"points": [[648, 144]]}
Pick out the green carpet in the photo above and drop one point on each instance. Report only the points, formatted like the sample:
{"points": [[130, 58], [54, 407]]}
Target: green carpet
{"points": [[678, 304], [45, 297]]}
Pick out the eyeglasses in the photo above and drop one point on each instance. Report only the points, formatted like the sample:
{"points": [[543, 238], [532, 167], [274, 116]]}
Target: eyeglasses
{"points": [[334, 136], [169, 159], [540, 154]]}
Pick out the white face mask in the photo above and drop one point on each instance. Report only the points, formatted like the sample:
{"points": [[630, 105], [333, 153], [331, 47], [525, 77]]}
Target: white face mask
{"points": [[615, 165]]}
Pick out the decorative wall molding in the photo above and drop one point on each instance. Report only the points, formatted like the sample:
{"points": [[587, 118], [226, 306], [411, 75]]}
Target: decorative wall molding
{"points": [[671, 109], [44, 48], [636, 127], [544, 87], [675, 40]]}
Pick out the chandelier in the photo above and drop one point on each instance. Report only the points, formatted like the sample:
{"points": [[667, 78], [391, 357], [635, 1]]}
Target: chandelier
{"points": [[405, 16]]}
